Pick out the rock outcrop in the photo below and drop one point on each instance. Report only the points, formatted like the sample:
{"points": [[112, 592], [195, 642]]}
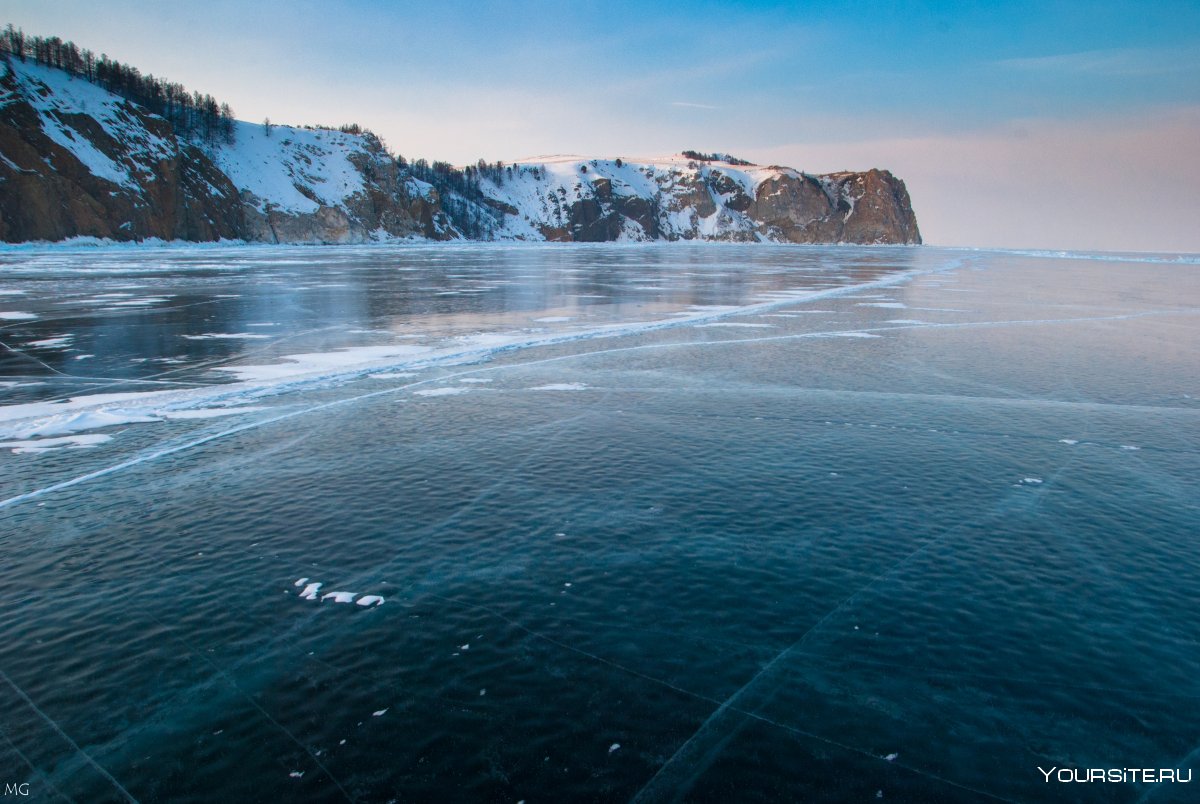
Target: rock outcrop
{"points": [[76, 160]]}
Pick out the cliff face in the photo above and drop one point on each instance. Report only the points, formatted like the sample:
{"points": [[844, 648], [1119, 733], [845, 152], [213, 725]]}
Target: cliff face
{"points": [[77, 160], [677, 198]]}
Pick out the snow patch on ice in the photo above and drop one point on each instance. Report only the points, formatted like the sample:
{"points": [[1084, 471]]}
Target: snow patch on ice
{"points": [[561, 386], [211, 336], [56, 342], [76, 422], [441, 391], [209, 413], [34, 446]]}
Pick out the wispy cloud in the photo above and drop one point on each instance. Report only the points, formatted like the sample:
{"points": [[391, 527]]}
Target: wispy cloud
{"points": [[1111, 62], [687, 105]]}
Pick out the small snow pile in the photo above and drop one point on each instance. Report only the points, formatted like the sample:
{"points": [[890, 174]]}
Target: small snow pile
{"points": [[312, 591]]}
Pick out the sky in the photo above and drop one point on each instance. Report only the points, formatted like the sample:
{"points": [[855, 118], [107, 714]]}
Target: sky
{"points": [[1062, 125]]}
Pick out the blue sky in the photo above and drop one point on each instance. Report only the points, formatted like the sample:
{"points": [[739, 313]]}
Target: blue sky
{"points": [[1061, 125]]}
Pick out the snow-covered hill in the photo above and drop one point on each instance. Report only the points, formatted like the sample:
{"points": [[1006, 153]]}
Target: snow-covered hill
{"points": [[76, 159], [679, 198]]}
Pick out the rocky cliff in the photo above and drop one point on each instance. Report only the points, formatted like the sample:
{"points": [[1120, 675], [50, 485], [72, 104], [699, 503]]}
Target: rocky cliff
{"points": [[76, 160]]}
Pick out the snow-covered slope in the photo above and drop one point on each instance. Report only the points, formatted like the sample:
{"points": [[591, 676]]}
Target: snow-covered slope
{"points": [[678, 198], [78, 160], [64, 103]]}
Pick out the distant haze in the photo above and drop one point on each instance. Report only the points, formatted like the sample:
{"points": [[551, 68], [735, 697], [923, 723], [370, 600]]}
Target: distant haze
{"points": [[1021, 125]]}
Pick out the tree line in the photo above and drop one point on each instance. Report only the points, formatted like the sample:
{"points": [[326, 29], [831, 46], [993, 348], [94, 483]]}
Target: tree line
{"points": [[703, 157], [192, 114]]}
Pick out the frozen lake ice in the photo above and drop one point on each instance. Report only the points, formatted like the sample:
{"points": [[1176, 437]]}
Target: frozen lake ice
{"points": [[779, 523]]}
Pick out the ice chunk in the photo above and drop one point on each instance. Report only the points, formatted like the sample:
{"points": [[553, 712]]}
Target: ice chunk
{"points": [[892, 757], [340, 597], [370, 600], [379, 713], [15, 315], [310, 591], [613, 747], [301, 582]]}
